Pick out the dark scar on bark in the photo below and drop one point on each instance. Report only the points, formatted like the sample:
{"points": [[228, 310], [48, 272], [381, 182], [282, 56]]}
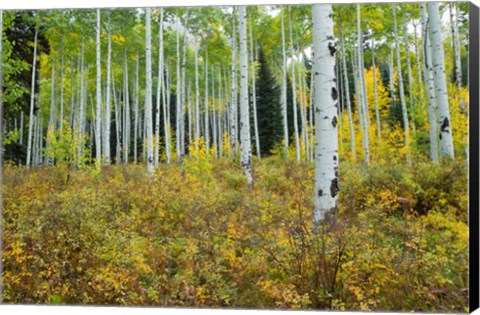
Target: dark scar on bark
{"points": [[334, 187], [331, 47], [325, 117], [334, 157], [320, 193], [334, 94], [445, 125], [334, 121], [440, 136]]}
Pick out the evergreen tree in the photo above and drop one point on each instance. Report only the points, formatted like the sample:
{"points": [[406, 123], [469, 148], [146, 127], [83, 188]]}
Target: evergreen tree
{"points": [[270, 122]]}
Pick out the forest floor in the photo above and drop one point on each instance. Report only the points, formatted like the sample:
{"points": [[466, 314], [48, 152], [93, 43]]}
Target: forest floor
{"points": [[201, 238]]}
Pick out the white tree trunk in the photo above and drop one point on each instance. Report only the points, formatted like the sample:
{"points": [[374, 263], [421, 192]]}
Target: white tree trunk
{"points": [[375, 94], [197, 99], [417, 55], [207, 135], [148, 93], [438, 64], [401, 90], [184, 66], [159, 88], [135, 110], [246, 151], [283, 97], [178, 91], [98, 141], [107, 116], [456, 46], [32, 100], [126, 138], [61, 85], [233, 103], [347, 94], [82, 111], [294, 92], [254, 94], [166, 100], [428, 78], [362, 97], [53, 112], [326, 103], [214, 120]]}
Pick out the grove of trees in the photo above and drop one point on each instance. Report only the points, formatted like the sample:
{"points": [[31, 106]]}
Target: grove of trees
{"points": [[278, 137]]}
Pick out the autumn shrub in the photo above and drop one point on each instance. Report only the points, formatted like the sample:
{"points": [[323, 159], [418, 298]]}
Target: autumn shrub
{"points": [[198, 236]]}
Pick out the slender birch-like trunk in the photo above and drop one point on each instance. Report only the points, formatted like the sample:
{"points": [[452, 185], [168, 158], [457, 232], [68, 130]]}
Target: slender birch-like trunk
{"points": [[362, 97], [178, 91], [430, 87], [148, 93], [166, 101], [417, 55], [53, 113], [214, 120], [254, 95], [207, 136], [82, 112], [127, 126], [283, 97], [135, 110], [108, 114], [159, 88], [407, 55], [98, 139], [375, 94], [456, 46], [294, 92], [246, 151], [32, 99], [233, 102], [347, 92], [62, 64], [184, 66], [441, 96], [400, 85], [326, 103], [197, 99]]}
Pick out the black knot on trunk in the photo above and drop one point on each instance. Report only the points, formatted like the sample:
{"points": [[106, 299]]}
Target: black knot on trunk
{"points": [[334, 187], [331, 47], [445, 125], [334, 94], [320, 193], [334, 121]]}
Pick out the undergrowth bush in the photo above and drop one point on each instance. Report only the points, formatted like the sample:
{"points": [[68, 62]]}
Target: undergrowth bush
{"points": [[201, 238]]}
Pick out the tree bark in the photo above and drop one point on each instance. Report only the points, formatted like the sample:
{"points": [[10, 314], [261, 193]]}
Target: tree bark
{"points": [[283, 97], [456, 46], [254, 95], [294, 92], [98, 141], [362, 97], [400, 85], [347, 92], [148, 93], [430, 88], [438, 64], [32, 99], [246, 151], [233, 102], [326, 103]]}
